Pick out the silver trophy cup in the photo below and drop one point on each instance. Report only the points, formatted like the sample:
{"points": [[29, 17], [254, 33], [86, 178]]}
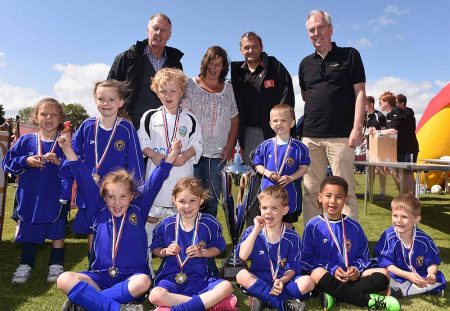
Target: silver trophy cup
{"points": [[237, 186]]}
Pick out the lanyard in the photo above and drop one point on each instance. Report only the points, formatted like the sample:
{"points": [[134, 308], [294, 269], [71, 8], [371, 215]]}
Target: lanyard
{"points": [[100, 158], [181, 263], [285, 156], [166, 129], [342, 250], [266, 240], [116, 237], [405, 249]]}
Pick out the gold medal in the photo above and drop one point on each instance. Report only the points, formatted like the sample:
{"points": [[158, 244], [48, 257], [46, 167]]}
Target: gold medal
{"points": [[113, 272], [96, 177], [180, 278]]}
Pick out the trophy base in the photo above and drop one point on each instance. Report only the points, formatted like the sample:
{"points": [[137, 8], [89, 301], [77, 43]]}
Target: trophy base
{"points": [[230, 270]]}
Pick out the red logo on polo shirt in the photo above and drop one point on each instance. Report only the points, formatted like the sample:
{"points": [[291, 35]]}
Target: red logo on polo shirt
{"points": [[269, 83]]}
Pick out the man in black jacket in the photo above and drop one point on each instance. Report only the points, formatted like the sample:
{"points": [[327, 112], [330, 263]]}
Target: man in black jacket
{"points": [[259, 82], [141, 61]]}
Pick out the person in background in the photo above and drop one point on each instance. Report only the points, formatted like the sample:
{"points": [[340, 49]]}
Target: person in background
{"points": [[138, 65], [259, 82], [376, 119], [332, 82], [407, 144], [212, 101]]}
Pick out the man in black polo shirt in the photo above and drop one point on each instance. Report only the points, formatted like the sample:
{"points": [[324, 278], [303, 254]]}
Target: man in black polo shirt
{"points": [[332, 82], [139, 64], [259, 82]]}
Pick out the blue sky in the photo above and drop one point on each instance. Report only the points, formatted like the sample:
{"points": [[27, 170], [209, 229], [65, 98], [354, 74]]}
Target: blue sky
{"points": [[59, 48]]}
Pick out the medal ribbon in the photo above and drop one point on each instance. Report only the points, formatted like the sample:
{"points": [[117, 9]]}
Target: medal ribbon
{"points": [[343, 252], [116, 237], [98, 162], [410, 266], [39, 145], [166, 129], [272, 270], [181, 263], [286, 153]]}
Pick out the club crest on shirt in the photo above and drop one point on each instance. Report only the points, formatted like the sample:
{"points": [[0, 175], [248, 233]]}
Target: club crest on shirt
{"points": [[348, 245], [119, 145], [201, 245], [133, 219], [290, 162], [282, 263], [182, 130], [419, 261]]}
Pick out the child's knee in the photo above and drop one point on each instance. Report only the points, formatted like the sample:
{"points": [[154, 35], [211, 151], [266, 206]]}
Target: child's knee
{"points": [[156, 295], [305, 284], [243, 277], [139, 284], [227, 288], [66, 281], [317, 274]]}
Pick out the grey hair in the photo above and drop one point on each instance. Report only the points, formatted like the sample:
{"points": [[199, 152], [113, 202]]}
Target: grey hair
{"points": [[324, 13]]}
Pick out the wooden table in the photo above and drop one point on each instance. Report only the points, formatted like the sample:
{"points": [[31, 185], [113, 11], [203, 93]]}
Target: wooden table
{"points": [[402, 166]]}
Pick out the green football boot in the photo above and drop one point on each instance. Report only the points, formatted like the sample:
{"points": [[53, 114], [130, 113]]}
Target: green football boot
{"points": [[378, 302], [326, 301]]}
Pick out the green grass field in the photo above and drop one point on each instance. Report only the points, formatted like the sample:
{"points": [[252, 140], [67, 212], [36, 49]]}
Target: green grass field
{"points": [[36, 294]]}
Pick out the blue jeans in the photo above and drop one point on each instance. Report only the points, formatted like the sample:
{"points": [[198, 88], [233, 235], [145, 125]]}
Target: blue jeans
{"points": [[207, 170]]}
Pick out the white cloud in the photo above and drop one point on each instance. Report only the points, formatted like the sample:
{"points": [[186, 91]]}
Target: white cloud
{"points": [[382, 21], [13, 98], [76, 83], [360, 43], [418, 94], [2, 59], [74, 86], [440, 83], [395, 10], [388, 17]]}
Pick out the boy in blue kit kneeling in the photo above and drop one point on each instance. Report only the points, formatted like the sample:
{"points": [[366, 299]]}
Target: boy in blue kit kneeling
{"points": [[274, 250], [120, 272], [408, 253], [336, 252]]}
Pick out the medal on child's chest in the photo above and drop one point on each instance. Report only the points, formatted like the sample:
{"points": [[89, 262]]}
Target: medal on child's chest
{"points": [[275, 154], [273, 270], [181, 277], [113, 271], [100, 157], [344, 250], [166, 128]]}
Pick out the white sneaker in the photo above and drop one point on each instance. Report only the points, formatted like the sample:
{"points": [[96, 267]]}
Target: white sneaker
{"points": [[53, 272], [21, 275]]}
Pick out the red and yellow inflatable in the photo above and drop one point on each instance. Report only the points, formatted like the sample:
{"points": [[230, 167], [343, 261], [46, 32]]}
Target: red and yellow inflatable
{"points": [[433, 132]]}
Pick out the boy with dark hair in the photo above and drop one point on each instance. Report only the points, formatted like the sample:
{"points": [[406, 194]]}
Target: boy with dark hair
{"points": [[335, 252]]}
